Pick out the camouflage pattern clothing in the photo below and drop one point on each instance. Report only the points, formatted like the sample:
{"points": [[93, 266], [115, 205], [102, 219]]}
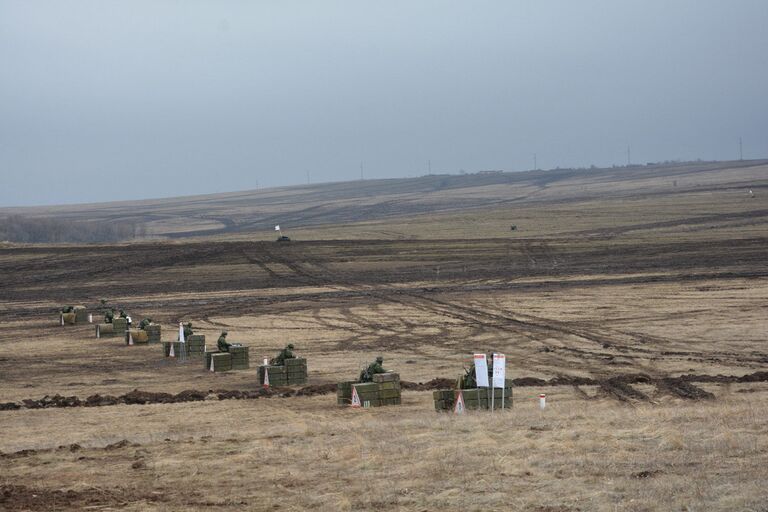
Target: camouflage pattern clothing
{"points": [[144, 323], [109, 315], [222, 343], [188, 330], [372, 369], [286, 353]]}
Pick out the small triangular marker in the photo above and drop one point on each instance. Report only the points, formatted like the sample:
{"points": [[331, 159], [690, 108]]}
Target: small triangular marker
{"points": [[266, 377], [130, 338], [171, 353], [355, 398], [212, 363], [459, 407]]}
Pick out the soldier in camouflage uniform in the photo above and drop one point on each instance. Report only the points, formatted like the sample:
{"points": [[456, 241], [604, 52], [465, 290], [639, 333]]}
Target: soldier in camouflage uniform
{"points": [[222, 343], [372, 369], [109, 315], [188, 330], [286, 353], [144, 323], [67, 309], [469, 379]]}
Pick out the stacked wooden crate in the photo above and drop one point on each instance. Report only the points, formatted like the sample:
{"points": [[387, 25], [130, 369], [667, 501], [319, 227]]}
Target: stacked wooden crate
{"points": [[292, 373], [153, 333], [239, 357], [105, 331], [384, 390], [81, 314], [474, 399]]}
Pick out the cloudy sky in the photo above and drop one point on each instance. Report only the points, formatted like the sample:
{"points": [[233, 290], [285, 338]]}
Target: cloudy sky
{"points": [[107, 100]]}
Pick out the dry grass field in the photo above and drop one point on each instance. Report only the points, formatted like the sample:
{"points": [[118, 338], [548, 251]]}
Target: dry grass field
{"points": [[642, 293]]}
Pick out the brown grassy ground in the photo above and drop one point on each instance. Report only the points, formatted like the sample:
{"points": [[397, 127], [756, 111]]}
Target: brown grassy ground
{"points": [[637, 283]]}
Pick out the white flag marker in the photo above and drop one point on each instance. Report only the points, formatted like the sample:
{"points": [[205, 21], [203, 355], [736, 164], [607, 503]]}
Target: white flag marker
{"points": [[277, 228], [481, 370]]}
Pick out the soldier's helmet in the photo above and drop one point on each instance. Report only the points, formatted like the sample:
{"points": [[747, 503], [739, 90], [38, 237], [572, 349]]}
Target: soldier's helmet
{"points": [[103, 301], [379, 359], [223, 333], [189, 324], [290, 345]]}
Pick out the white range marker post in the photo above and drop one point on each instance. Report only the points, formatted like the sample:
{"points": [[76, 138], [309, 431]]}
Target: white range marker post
{"points": [[542, 401], [499, 374], [182, 341], [90, 318], [481, 371]]}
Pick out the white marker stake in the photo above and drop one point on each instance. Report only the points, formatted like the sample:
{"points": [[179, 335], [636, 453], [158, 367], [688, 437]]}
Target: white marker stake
{"points": [[181, 332], [266, 378], [171, 352], [61, 319], [266, 361], [90, 318], [98, 333], [499, 376], [542, 401], [459, 407], [130, 338], [212, 364], [355, 398]]}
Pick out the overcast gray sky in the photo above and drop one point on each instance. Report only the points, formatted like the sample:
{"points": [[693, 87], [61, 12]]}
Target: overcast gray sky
{"points": [[103, 100]]}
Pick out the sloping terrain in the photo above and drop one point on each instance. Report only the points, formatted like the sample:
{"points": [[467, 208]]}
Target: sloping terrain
{"points": [[637, 304]]}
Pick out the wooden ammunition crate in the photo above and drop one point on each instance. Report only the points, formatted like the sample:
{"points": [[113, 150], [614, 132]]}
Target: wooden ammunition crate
{"points": [[221, 362], [105, 331]]}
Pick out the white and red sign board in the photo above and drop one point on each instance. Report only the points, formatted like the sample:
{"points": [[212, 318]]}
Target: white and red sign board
{"points": [[459, 408], [481, 370], [355, 398], [499, 370]]}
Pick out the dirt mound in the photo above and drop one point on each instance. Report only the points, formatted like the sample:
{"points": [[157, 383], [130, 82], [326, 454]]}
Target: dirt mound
{"points": [[682, 389], [317, 389], [432, 385], [21, 497], [619, 388]]}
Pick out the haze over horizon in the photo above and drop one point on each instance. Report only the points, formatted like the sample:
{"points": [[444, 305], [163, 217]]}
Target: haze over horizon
{"points": [[107, 101]]}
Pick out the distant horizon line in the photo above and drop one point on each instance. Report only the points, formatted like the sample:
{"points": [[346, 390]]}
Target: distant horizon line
{"points": [[459, 173]]}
